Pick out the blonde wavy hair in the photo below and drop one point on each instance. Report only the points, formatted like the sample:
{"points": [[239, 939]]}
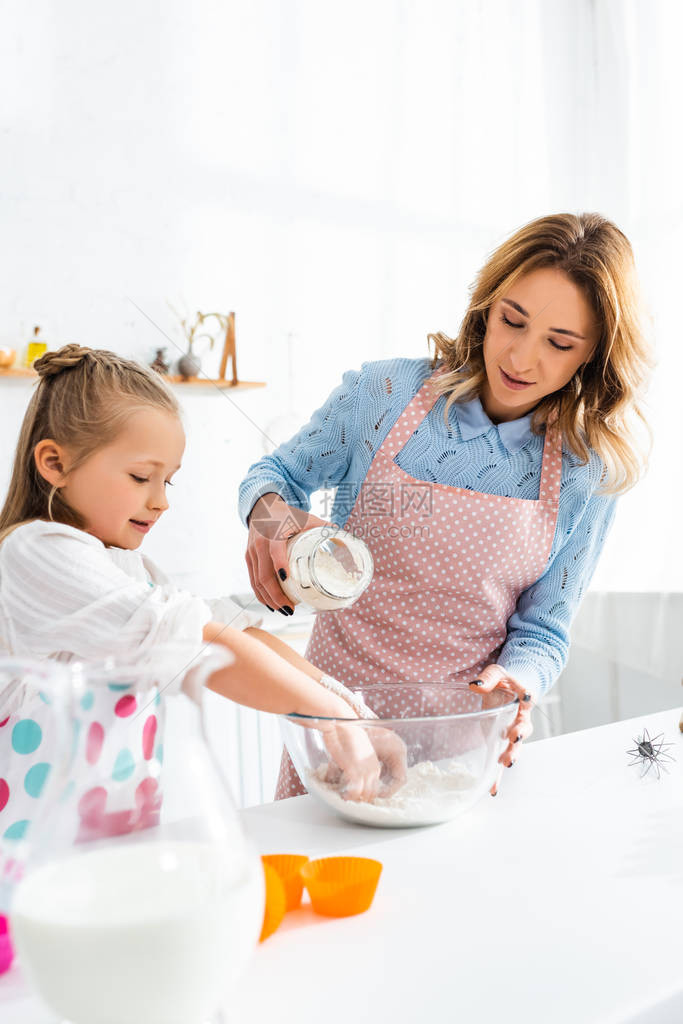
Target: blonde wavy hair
{"points": [[599, 408], [84, 397]]}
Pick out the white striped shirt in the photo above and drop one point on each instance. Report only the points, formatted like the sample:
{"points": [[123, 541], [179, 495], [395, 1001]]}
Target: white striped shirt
{"points": [[64, 595]]}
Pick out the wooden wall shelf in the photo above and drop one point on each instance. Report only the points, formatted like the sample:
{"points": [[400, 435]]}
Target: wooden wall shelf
{"points": [[222, 385], [198, 382]]}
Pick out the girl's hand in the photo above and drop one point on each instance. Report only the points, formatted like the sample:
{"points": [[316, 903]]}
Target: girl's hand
{"points": [[271, 523], [495, 677], [392, 752], [354, 762], [392, 755]]}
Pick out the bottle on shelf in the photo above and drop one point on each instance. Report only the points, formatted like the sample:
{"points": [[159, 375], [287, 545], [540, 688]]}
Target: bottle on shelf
{"points": [[36, 348]]}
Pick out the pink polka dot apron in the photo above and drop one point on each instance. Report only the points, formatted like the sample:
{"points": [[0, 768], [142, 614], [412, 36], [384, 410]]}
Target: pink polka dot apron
{"points": [[450, 565]]}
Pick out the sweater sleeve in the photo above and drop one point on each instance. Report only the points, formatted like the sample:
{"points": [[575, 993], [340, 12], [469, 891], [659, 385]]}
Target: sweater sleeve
{"points": [[317, 456], [63, 596], [537, 644]]}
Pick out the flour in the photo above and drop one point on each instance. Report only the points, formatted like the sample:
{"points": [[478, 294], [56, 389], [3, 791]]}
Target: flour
{"points": [[328, 569], [334, 576], [433, 792]]}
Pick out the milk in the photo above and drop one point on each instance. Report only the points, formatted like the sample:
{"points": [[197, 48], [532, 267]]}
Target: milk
{"points": [[146, 933]]}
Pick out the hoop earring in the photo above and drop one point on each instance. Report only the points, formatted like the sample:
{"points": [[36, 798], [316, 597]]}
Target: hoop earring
{"points": [[49, 503]]}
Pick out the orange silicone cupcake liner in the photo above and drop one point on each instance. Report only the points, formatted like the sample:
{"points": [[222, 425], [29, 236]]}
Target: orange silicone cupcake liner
{"points": [[341, 886], [276, 901], [288, 867]]}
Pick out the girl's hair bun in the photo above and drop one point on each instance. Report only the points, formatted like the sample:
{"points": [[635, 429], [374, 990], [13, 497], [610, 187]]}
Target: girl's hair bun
{"points": [[64, 358]]}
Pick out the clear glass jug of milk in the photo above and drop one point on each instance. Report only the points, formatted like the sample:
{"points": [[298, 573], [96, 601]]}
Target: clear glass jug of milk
{"points": [[141, 901]]}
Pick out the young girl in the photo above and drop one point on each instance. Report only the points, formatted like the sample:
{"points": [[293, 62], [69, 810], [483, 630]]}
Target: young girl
{"points": [[99, 445], [483, 481]]}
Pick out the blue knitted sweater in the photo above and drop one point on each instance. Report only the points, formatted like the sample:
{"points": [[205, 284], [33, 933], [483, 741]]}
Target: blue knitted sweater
{"points": [[335, 449]]}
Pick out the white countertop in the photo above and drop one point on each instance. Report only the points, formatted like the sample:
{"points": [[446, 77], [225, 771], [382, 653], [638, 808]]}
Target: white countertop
{"points": [[556, 902]]}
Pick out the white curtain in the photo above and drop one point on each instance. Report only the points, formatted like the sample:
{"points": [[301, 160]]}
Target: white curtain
{"points": [[393, 144], [336, 174], [636, 174]]}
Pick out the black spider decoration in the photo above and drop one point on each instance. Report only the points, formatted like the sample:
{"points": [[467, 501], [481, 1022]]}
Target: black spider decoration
{"points": [[650, 752]]}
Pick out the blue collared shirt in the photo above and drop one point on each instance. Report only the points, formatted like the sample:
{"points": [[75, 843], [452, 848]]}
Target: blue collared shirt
{"points": [[335, 448], [473, 421]]}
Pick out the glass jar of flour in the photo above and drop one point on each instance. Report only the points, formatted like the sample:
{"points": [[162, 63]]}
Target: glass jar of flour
{"points": [[328, 569]]}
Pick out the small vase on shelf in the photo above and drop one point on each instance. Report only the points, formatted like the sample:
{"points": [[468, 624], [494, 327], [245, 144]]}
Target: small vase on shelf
{"points": [[189, 365], [160, 364]]}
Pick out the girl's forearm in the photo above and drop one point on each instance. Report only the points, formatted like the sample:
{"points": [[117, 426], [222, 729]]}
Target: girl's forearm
{"points": [[259, 678], [285, 651]]}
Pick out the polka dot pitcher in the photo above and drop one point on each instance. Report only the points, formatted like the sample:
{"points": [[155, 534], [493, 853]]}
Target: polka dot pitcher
{"points": [[137, 854], [33, 698]]}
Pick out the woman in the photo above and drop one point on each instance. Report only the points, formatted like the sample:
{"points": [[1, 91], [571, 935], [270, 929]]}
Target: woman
{"points": [[484, 481]]}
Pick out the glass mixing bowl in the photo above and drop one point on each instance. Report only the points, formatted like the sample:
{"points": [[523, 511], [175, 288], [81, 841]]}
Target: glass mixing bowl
{"points": [[447, 738]]}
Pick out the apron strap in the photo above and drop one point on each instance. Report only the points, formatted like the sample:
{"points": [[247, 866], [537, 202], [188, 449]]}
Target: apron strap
{"points": [[411, 417]]}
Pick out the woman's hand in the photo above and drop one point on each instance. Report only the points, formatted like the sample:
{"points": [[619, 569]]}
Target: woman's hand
{"points": [[495, 677], [271, 523]]}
